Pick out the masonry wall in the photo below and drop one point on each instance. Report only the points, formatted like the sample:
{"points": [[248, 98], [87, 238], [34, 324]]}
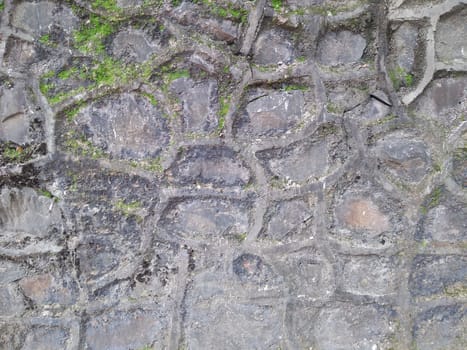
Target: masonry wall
{"points": [[285, 174]]}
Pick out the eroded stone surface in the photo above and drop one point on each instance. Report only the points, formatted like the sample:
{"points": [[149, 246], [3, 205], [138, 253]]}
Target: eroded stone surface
{"points": [[46, 338], [341, 48], [362, 214], [451, 38], [432, 275], [272, 47], [126, 126]]}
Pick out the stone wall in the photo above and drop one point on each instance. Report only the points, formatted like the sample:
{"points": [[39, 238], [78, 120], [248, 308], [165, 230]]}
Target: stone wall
{"points": [[285, 174]]}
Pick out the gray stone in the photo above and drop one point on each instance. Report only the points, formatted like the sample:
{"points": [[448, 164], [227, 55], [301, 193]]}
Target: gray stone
{"points": [[347, 327], [10, 272], [11, 335], [11, 302], [272, 114], [200, 105], [133, 46], [308, 274], [374, 111], [19, 54], [444, 223], [38, 17], [437, 275], [451, 38], [459, 166], [442, 327], [217, 166], [447, 93], [370, 275], [126, 126], [24, 211], [341, 48], [46, 338], [123, 330], [206, 219], [14, 111], [272, 47], [285, 218], [403, 157], [404, 43]]}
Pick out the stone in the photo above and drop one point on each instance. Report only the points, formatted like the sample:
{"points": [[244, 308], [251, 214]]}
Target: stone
{"points": [[272, 47], [374, 111], [200, 104], [11, 301], [133, 46], [19, 54], [444, 223], [46, 289], [459, 166], [122, 330], [359, 213], [370, 275], [251, 268], [349, 327], [307, 274], [404, 45], [127, 126], [405, 158], [447, 93], [14, 111], [272, 115], [437, 275], [24, 211], [217, 166], [223, 30], [284, 219], [441, 327], [37, 17], [451, 38], [206, 219], [46, 338], [10, 272], [341, 48], [11, 335]]}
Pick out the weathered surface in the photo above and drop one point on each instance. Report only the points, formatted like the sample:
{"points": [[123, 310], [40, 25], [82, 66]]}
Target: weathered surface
{"points": [[233, 174]]}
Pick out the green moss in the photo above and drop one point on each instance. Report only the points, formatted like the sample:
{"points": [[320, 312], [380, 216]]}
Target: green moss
{"points": [[67, 73], [171, 76], [277, 5], [432, 200], [399, 77], [45, 39], [294, 87], [48, 194], [2, 5], [80, 146], [151, 98], [16, 154], [301, 59], [73, 111], [333, 108], [128, 209], [241, 237], [89, 38], [108, 5]]}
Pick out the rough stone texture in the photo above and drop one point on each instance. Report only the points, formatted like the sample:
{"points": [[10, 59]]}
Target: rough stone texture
{"points": [[233, 175]]}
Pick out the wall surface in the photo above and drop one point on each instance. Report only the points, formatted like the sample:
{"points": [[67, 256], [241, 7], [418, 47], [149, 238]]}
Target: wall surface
{"points": [[281, 174]]}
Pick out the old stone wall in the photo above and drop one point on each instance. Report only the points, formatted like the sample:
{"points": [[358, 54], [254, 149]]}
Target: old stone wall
{"points": [[281, 174]]}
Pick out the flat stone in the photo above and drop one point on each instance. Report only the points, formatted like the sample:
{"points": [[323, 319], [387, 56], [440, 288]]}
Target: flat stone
{"points": [[97, 257], [126, 126], [285, 218], [37, 17], [370, 275], [11, 302], [272, 115], [404, 43], [341, 48], [206, 219], [403, 157], [10, 272], [14, 107], [459, 166], [442, 327], [19, 54], [133, 46], [218, 166], [251, 268], [448, 92], [307, 274], [24, 211], [272, 47], [46, 338], [46, 289], [451, 38], [223, 30], [444, 223], [348, 327], [123, 330], [374, 110], [200, 105], [11, 335], [359, 213], [437, 274]]}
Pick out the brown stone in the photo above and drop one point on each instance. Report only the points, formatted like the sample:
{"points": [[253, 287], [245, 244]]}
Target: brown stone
{"points": [[360, 213]]}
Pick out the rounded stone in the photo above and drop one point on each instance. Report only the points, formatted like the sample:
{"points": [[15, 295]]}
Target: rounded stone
{"points": [[341, 48]]}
